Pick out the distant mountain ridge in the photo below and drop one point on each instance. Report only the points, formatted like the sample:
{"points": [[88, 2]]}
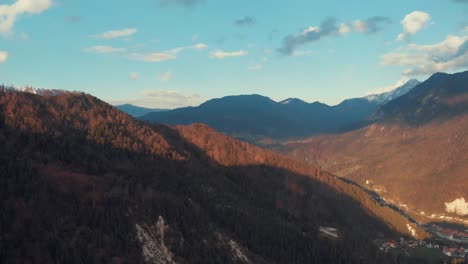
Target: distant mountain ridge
{"points": [[137, 111], [38, 91], [415, 153], [251, 117], [442, 96]]}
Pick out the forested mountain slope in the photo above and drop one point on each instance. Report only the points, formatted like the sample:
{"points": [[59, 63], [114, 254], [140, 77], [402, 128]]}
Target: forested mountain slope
{"points": [[83, 182]]}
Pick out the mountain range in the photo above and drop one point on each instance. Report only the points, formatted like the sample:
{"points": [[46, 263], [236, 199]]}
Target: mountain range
{"points": [[415, 153], [137, 111], [253, 117], [83, 182]]}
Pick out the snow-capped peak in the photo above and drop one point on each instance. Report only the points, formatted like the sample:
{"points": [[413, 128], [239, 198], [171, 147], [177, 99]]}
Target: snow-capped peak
{"points": [[42, 92], [292, 101], [385, 97]]}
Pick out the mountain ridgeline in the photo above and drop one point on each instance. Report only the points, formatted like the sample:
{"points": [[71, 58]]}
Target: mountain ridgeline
{"points": [[137, 111], [441, 97], [82, 182], [252, 117], [414, 154]]}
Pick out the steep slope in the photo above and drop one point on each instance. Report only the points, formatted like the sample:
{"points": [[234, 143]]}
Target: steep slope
{"points": [[416, 154], [441, 97], [254, 117], [137, 111], [83, 182]]}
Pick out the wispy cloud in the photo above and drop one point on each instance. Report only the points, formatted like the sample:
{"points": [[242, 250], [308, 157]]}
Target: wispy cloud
{"points": [[310, 34], [153, 57], [120, 33], [165, 55], [9, 13], [371, 25], [330, 27], [167, 99], [413, 23], [246, 21], [104, 49], [220, 54], [449, 54], [3, 56]]}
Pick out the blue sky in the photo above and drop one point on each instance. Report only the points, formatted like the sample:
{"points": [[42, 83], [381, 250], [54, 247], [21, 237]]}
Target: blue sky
{"points": [[171, 53]]}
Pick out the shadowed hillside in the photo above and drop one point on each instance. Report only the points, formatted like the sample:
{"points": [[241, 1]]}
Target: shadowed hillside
{"points": [[83, 182]]}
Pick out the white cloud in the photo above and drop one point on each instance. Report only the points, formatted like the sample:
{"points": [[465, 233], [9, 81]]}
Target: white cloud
{"points": [[154, 57], [413, 23], [9, 13], [432, 67], [310, 30], [442, 49], [195, 37], [167, 99], [219, 54], [165, 55], [3, 56], [166, 77], [458, 206], [104, 49], [344, 29], [447, 55], [404, 58], [112, 34], [255, 67], [134, 76]]}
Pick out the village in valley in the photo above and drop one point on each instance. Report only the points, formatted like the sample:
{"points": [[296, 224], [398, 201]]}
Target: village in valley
{"points": [[448, 243]]}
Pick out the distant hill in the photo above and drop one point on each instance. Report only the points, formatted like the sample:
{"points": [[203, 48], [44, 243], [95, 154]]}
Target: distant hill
{"points": [[82, 182], [416, 152], [137, 111], [254, 116]]}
